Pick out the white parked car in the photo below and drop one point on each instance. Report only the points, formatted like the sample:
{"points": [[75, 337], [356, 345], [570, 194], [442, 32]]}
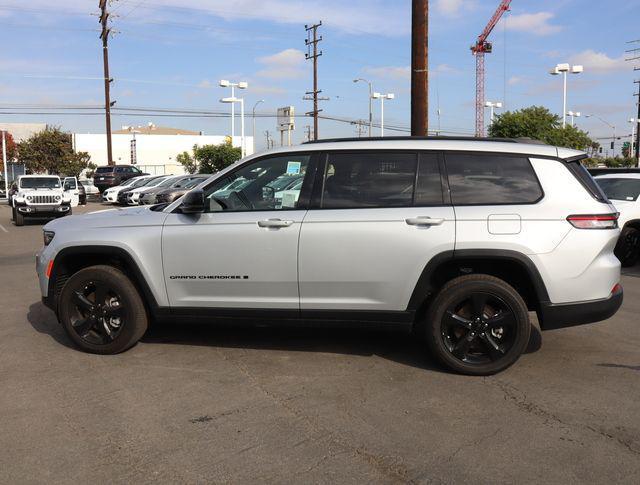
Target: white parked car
{"points": [[133, 196], [90, 189], [623, 190], [111, 195]]}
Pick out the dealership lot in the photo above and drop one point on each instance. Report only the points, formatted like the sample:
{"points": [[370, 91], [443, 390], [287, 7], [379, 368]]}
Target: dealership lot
{"points": [[204, 404]]}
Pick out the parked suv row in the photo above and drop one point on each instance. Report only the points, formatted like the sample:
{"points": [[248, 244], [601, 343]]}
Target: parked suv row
{"points": [[456, 239]]}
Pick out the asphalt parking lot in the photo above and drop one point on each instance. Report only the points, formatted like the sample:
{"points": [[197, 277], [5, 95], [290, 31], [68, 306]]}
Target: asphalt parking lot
{"points": [[200, 404]]}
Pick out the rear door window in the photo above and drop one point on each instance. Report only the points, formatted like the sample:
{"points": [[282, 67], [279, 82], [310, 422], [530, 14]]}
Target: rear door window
{"points": [[491, 179], [368, 180]]}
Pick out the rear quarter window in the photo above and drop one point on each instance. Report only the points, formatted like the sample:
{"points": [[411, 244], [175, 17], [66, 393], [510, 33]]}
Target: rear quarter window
{"points": [[491, 179], [584, 177]]}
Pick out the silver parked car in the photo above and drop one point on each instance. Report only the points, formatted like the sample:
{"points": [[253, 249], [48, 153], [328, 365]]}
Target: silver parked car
{"points": [[456, 239]]}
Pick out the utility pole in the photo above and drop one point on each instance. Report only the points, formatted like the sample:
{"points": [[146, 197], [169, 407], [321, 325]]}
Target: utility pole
{"points": [[311, 42], [420, 68], [637, 152], [308, 133], [104, 35], [636, 57]]}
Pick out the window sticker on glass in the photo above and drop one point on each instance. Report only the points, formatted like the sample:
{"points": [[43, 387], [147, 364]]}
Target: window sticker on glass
{"points": [[293, 168]]}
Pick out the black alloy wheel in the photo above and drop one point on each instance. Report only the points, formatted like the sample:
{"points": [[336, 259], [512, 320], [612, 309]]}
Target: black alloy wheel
{"points": [[479, 328], [98, 314], [477, 325], [101, 310]]}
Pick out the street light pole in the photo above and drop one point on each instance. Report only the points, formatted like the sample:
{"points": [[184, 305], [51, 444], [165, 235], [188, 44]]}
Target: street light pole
{"points": [[242, 137], [492, 106], [573, 114], [4, 162], [382, 97], [563, 69], [370, 102], [240, 85], [253, 116]]}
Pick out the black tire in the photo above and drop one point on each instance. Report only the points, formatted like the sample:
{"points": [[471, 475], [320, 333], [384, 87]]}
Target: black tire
{"points": [[90, 297], [13, 213], [19, 218], [628, 247], [477, 325]]}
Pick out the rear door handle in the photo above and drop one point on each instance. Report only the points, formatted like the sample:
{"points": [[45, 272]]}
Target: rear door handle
{"points": [[424, 221], [274, 223]]}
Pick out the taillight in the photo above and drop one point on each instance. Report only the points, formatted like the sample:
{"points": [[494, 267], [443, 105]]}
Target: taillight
{"points": [[594, 221]]}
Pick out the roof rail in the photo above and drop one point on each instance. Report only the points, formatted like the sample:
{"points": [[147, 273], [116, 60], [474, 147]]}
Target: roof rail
{"points": [[445, 138]]}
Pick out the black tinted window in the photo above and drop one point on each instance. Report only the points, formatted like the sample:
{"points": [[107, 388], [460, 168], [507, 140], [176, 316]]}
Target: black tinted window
{"points": [[429, 187], [104, 170], [491, 179], [376, 179]]}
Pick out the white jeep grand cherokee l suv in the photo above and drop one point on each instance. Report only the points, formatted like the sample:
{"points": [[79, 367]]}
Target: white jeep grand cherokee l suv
{"points": [[457, 239]]}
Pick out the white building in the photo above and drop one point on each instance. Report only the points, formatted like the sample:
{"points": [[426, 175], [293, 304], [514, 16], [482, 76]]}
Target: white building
{"points": [[22, 131], [155, 148]]}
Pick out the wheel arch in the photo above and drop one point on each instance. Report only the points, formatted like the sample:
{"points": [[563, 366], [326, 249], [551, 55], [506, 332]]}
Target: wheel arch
{"points": [[513, 267], [72, 259]]}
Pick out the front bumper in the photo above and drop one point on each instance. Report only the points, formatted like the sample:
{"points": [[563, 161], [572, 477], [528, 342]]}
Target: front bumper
{"points": [[553, 316], [43, 210]]}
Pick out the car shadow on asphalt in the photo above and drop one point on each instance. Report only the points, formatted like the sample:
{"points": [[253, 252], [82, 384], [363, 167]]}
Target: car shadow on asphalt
{"points": [[399, 346]]}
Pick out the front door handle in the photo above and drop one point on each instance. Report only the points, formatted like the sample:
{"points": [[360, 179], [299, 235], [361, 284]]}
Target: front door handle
{"points": [[274, 223], [424, 221]]}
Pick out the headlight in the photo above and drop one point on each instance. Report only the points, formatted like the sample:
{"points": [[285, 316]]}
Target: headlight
{"points": [[48, 237], [58, 197], [29, 198]]}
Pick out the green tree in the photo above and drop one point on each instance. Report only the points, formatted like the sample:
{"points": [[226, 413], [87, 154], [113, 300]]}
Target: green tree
{"points": [[538, 123], [51, 151], [75, 164], [188, 162], [213, 158]]}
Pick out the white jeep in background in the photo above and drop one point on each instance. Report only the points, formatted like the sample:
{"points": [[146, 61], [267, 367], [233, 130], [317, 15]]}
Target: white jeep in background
{"points": [[41, 196]]}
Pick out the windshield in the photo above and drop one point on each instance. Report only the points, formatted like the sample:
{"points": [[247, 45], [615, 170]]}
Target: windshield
{"points": [[40, 183], [190, 183], [140, 182], [620, 189], [168, 182], [155, 182]]}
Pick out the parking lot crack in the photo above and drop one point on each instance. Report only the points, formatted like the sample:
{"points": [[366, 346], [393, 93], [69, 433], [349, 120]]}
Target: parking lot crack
{"points": [[389, 466]]}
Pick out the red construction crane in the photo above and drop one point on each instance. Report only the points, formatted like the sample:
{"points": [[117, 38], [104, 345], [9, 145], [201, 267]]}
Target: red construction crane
{"points": [[479, 49]]}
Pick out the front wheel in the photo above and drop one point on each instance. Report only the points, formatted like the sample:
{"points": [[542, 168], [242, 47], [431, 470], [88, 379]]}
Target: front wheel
{"points": [[102, 311], [18, 218], [628, 247], [478, 325]]}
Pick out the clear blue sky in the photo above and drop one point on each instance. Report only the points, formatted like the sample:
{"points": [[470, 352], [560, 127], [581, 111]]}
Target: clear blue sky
{"points": [[171, 54]]}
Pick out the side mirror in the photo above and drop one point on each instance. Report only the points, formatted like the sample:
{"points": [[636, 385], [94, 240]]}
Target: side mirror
{"points": [[193, 202]]}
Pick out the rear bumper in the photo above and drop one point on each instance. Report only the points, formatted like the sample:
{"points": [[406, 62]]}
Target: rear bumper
{"points": [[553, 316]]}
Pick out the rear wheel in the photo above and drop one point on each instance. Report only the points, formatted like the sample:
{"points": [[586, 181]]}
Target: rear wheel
{"points": [[478, 325], [628, 247], [102, 311]]}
